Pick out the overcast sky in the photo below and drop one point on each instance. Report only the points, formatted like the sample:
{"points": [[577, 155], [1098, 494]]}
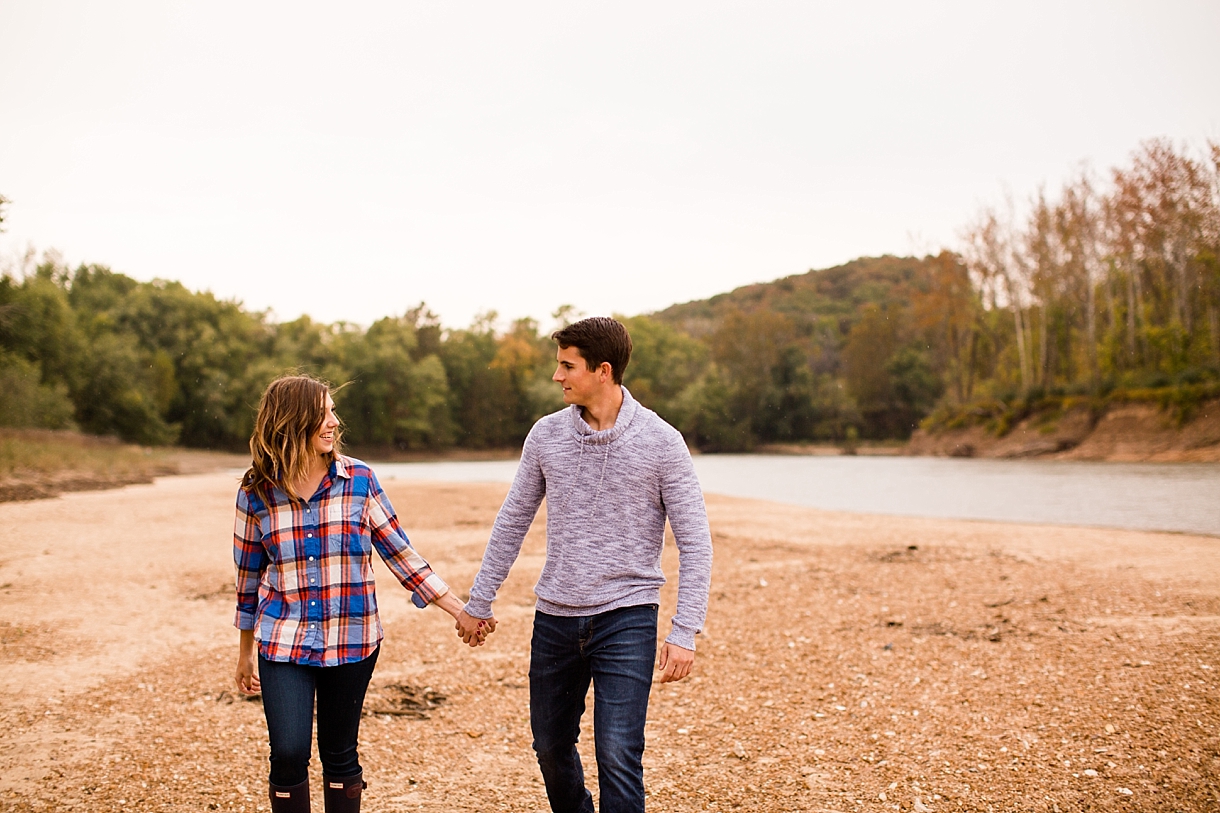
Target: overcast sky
{"points": [[351, 160]]}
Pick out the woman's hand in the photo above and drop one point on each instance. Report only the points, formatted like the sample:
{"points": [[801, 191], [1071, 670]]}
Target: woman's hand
{"points": [[247, 665]]}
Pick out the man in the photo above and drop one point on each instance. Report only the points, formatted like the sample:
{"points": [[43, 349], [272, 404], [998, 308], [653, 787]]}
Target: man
{"points": [[612, 472]]}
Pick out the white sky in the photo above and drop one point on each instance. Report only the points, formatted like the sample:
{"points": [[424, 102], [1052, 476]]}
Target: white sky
{"points": [[350, 160]]}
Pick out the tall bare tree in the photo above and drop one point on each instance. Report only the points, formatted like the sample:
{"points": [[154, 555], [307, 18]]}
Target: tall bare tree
{"points": [[994, 258]]}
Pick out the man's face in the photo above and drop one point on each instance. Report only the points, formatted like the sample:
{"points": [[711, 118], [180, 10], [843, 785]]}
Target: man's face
{"points": [[580, 384]]}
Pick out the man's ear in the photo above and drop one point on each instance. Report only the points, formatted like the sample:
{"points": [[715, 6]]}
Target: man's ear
{"points": [[605, 370]]}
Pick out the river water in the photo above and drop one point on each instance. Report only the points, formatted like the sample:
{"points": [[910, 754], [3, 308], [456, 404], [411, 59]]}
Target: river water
{"points": [[1181, 497]]}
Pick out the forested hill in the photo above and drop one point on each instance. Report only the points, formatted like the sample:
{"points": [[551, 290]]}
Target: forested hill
{"points": [[854, 350], [833, 293]]}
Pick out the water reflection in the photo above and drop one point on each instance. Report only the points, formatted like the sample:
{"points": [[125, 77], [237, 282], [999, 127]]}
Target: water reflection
{"points": [[1145, 496]]}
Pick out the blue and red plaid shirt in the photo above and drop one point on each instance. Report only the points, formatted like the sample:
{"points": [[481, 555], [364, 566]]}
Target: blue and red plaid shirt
{"points": [[305, 571]]}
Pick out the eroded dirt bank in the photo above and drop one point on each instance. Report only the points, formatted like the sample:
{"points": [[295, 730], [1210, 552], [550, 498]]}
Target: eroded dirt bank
{"points": [[850, 663], [1125, 433]]}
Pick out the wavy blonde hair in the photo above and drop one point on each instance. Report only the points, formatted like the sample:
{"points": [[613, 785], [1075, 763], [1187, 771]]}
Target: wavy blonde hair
{"points": [[289, 413]]}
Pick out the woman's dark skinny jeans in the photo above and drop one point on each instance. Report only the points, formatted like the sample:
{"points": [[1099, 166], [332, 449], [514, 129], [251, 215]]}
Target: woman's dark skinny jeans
{"points": [[288, 702], [615, 650]]}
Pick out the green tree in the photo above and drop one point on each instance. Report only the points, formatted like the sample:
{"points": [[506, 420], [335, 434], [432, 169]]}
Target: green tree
{"points": [[394, 400], [205, 360], [707, 415], [891, 379], [481, 398], [25, 401], [664, 362]]}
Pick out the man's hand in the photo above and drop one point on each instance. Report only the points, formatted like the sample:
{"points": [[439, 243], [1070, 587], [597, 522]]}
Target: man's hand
{"points": [[675, 662], [474, 631]]}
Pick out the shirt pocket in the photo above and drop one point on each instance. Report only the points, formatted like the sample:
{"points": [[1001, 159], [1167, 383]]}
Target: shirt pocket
{"points": [[345, 534]]}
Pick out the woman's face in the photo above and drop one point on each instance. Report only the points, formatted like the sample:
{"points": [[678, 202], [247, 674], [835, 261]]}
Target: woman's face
{"points": [[323, 440]]}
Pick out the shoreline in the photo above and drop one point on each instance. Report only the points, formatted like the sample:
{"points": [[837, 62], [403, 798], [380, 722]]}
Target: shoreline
{"points": [[1142, 442], [1099, 517]]}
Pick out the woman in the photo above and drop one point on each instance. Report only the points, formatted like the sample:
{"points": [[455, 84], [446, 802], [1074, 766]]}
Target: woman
{"points": [[308, 519]]}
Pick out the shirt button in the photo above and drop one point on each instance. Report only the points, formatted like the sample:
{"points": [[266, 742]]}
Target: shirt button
{"points": [[313, 603], [313, 581], [313, 626], [311, 558], [309, 535]]}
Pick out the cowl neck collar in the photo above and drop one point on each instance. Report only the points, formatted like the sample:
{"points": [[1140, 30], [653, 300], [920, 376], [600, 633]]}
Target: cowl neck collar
{"points": [[595, 437]]}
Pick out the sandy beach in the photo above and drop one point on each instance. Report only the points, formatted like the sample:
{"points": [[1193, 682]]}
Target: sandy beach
{"points": [[850, 663]]}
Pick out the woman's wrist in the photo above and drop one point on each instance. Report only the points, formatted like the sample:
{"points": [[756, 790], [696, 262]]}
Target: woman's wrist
{"points": [[449, 603], [247, 645]]}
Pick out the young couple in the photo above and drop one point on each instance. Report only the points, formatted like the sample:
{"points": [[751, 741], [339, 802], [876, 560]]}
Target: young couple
{"points": [[611, 471]]}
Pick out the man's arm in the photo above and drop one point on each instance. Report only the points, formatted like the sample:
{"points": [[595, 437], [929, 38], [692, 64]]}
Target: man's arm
{"points": [[512, 524], [683, 500]]}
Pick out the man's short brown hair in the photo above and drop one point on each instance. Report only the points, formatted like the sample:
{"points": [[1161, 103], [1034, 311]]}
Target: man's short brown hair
{"points": [[598, 338]]}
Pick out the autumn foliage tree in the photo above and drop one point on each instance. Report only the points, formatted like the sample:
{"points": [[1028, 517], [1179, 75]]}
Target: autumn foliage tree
{"points": [[1107, 283]]}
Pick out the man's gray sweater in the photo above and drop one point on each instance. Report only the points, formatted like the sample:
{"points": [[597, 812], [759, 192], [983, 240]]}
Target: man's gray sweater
{"points": [[608, 494]]}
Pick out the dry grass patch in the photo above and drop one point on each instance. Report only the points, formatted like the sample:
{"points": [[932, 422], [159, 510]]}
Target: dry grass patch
{"points": [[39, 463]]}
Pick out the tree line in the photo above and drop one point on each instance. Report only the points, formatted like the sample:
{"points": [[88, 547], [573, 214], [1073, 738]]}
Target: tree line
{"points": [[1111, 284], [155, 363]]}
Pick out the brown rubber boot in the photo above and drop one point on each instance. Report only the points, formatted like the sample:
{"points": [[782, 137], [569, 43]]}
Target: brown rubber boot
{"points": [[284, 799], [341, 794]]}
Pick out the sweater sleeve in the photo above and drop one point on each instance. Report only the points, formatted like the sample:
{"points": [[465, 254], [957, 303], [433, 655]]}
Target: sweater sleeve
{"points": [[683, 499], [512, 524]]}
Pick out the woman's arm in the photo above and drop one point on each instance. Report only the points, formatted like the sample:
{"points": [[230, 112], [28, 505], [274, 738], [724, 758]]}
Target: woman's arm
{"points": [[249, 558], [413, 571], [391, 543], [247, 664]]}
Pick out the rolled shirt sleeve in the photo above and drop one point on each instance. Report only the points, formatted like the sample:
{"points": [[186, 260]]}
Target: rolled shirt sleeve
{"points": [[249, 559]]}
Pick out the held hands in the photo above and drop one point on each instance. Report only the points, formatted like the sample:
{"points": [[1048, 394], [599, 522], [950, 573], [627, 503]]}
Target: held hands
{"points": [[471, 630], [474, 631], [675, 662]]}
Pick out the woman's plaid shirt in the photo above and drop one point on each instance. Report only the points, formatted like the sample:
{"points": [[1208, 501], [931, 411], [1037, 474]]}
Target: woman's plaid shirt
{"points": [[305, 571]]}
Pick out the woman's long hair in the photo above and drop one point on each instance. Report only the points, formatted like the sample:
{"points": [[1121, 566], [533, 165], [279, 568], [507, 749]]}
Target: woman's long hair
{"points": [[289, 414]]}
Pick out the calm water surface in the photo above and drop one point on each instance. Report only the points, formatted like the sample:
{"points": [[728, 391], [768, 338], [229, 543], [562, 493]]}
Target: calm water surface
{"points": [[1143, 496]]}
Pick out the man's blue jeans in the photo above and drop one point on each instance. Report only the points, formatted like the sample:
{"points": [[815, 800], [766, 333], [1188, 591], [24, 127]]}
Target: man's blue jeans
{"points": [[615, 650], [288, 703]]}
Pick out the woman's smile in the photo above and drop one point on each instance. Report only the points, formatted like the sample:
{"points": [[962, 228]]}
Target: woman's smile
{"points": [[324, 440]]}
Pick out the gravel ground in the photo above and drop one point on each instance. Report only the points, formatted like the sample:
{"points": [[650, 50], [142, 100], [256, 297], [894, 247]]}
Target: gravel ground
{"points": [[850, 663]]}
